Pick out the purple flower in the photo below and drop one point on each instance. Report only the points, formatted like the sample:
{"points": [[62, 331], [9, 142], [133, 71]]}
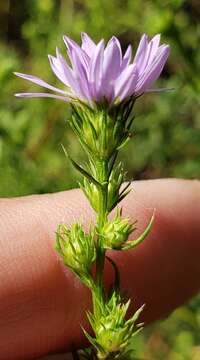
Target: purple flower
{"points": [[98, 72]]}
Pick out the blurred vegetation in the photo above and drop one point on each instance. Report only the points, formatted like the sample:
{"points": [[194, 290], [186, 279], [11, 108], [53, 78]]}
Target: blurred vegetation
{"points": [[166, 141]]}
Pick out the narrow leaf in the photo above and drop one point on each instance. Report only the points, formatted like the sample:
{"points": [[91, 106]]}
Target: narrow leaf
{"points": [[80, 169], [124, 141], [132, 243], [119, 199]]}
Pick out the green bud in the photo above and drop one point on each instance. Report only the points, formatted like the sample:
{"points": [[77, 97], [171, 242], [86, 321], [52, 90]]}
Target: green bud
{"points": [[113, 332], [77, 249], [115, 233]]}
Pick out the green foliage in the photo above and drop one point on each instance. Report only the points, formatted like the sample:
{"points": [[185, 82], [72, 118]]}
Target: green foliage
{"points": [[166, 129], [101, 131]]}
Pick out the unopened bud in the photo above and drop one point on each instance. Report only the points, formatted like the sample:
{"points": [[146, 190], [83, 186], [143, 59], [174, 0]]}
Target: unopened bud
{"points": [[76, 248], [113, 332], [116, 232]]}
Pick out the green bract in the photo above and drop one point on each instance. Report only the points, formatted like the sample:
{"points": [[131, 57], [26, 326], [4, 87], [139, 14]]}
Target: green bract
{"points": [[102, 129]]}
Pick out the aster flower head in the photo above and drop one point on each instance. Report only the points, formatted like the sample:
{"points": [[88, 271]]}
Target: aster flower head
{"points": [[100, 73]]}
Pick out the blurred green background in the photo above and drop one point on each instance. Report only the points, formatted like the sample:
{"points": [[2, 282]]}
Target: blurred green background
{"points": [[166, 140]]}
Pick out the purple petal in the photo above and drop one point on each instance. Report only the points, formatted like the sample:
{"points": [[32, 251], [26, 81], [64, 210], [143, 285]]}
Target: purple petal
{"points": [[111, 66], [141, 50], [153, 71], [69, 75], [144, 60], [126, 58], [125, 84], [88, 44], [95, 73], [146, 52], [39, 82], [155, 41], [57, 68], [150, 53], [81, 76], [32, 95], [72, 45], [112, 60]]}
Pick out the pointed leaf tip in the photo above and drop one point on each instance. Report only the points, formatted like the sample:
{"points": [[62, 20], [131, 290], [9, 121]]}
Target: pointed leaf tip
{"points": [[132, 243]]}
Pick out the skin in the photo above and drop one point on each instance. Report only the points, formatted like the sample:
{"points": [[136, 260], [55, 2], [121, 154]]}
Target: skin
{"points": [[42, 304]]}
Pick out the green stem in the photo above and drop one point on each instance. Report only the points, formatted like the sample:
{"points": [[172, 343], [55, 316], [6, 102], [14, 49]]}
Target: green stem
{"points": [[102, 173]]}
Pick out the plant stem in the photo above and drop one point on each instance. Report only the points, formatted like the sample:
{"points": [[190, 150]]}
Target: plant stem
{"points": [[102, 173]]}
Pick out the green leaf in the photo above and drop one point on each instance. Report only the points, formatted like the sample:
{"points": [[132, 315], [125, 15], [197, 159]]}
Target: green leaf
{"points": [[80, 169], [124, 141], [132, 243]]}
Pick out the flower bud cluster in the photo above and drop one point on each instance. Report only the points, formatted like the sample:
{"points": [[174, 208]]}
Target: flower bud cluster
{"points": [[115, 233], [77, 249], [113, 332]]}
